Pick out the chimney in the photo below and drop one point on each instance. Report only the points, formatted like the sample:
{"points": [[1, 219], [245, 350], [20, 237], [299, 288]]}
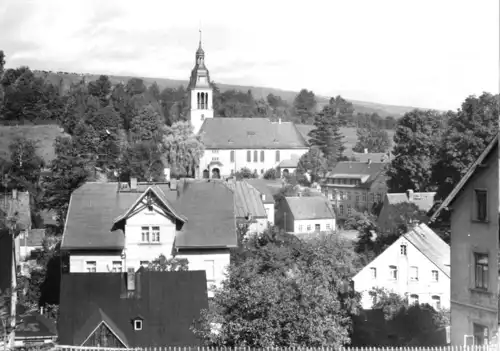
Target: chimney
{"points": [[133, 183], [14, 194], [409, 194], [366, 151], [131, 279], [166, 172]]}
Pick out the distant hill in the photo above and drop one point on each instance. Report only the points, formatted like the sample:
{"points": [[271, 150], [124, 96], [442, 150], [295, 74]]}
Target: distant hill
{"points": [[258, 92]]}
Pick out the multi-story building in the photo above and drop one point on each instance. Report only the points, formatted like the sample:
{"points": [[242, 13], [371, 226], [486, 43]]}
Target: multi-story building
{"points": [[475, 233], [354, 186], [416, 265], [111, 227], [235, 143]]}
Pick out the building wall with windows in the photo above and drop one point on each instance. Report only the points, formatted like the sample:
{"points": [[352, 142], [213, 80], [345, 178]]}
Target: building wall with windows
{"points": [[228, 161], [474, 258], [314, 225], [405, 270]]}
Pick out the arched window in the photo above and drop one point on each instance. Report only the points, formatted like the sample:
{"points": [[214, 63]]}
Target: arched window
{"points": [[277, 155], [262, 156], [231, 155], [198, 99], [206, 101], [255, 156]]}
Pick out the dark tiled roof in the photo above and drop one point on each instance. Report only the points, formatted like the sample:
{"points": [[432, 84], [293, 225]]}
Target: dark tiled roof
{"points": [[267, 187], [95, 207], [247, 200], [168, 303], [250, 133], [424, 201], [34, 325], [209, 207], [492, 147], [310, 207], [431, 245]]}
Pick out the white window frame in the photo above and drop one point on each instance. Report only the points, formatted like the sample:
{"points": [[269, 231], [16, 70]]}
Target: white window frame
{"points": [[373, 272], [403, 249], [328, 226], [393, 273], [308, 228], [137, 324], [301, 227], [414, 273], [145, 232], [155, 234], [436, 302], [152, 235], [435, 276]]}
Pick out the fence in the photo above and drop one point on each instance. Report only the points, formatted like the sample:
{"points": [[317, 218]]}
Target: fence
{"points": [[437, 348]]}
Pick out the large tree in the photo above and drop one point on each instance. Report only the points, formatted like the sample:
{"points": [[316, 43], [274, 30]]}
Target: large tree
{"points": [[283, 292], [314, 163], [147, 125], [304, 105], [468, 133], [327, 135], [372, 138], [417, 139], [343, 110]]}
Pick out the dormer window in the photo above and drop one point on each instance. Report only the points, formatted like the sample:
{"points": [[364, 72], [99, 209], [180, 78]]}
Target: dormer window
{"points": [[137, 324]]}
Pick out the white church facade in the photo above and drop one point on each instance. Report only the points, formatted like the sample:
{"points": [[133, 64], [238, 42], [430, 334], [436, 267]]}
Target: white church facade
{"points": [[235, 143]]}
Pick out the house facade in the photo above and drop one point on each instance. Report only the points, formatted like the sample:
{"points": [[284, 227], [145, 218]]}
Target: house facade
{"points": [[474, 209], [416, 265], [422, 200], [133, 225], [305, 214], [354, 186], [235, 143]]}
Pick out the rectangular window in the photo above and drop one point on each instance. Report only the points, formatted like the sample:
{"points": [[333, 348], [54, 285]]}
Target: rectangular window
{"points": [[308, 227], [277, 155], [317, 227], [480, 334], [373, 272], [215, 151], [414, 273], [262, 156], [349, 209], [328, 227], [393, 273], [341, 210], [301, 227], [231, 156], [379, 197], [435, 276], [357, 197], [117, 266], [155, 234], [255, 156], [210, 270], [249, 156], [436, 302], [145, 234], [341, 195], [91, 266], [481, 271], [364, 197], [481, 205], [215, 158], [402, 249]]}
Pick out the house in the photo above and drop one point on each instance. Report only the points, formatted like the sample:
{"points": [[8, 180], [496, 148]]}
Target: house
{"points": [[34, 329], [474, 218], [235, 143], [288, 166], [133, 309], [415, 265], [30, 241], [267, 188], [249, 206], [354, 186], [305, 214], [111, 227], [422, 200], [13, 205], [383, 157]]}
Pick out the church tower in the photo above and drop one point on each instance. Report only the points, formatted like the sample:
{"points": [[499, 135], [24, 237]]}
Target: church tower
{"points": [[200, 92]]}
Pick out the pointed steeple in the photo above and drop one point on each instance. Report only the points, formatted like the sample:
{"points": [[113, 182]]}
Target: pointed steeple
{"points": [[199, 52]]}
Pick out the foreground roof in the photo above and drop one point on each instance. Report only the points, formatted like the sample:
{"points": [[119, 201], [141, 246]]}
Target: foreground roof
{"points": [[250, 133], [269, 188], [167, 302], [492, 147], [310, 207], [367, 171], [431, 245], [247, 200]]}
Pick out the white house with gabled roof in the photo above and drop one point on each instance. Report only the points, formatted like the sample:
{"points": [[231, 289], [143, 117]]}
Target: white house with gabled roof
{"points": [[416, 265]]}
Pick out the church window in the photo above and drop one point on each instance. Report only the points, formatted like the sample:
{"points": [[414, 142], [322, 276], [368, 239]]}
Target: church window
{"points": [[255, 156], [231, 155], [262, 156], [198, 99], [249, 156], [277, 155]]}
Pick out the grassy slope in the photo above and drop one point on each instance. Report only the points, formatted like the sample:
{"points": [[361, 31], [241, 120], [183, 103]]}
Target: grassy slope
{"points": [[44, 135], [258, 92]]}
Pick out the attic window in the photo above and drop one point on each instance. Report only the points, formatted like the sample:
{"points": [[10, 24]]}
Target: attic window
{"points": [[137, 324]]}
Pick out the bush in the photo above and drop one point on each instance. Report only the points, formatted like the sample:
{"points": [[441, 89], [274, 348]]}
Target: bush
{"points": [[271, 174]]}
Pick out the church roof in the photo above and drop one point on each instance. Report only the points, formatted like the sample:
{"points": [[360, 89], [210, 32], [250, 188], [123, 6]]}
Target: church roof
{"points": [[250, 133]]}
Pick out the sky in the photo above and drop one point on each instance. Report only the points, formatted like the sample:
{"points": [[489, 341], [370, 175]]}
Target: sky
{"points": [[420, 53]]}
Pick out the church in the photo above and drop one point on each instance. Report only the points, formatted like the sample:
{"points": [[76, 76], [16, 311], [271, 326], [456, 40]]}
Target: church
{"points": [[238, 142]]}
